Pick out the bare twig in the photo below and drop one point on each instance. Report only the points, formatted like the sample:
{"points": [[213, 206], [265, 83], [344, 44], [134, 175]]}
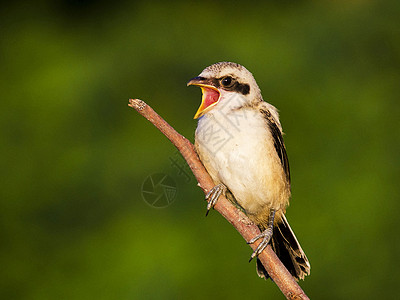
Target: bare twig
{"points": [[238, 219]]}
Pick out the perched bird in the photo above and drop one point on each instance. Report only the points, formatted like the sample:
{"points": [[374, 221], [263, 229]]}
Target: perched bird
{"points": [[239, 141]]}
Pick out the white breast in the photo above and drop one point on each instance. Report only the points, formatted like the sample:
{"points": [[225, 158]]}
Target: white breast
{"points": [[237, 149]]}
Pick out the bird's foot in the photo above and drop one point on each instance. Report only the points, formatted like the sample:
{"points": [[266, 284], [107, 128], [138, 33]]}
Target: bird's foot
{"points": [[266, 236], [213, 195]]}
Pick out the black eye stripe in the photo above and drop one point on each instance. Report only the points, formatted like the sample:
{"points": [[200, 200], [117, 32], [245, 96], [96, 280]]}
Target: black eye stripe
{"points": [[242, 88]]}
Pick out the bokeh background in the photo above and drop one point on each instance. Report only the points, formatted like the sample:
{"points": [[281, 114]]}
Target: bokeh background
{"points": [[75, 158]]}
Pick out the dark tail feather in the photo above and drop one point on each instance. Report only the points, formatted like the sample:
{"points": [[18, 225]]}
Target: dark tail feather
{"points": [[287, 248]]}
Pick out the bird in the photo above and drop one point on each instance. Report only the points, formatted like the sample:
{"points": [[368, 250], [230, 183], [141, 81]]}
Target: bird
{"points": [[239, 141]]}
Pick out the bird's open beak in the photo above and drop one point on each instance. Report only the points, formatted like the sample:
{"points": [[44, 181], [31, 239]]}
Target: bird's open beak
{"points": [[210, 97]]}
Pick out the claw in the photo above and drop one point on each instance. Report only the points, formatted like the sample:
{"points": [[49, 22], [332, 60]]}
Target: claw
{"points": [[213, 195], [266, 235]]}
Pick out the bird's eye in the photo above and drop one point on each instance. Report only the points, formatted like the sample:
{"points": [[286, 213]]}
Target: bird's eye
{"points": [[227, 81]]}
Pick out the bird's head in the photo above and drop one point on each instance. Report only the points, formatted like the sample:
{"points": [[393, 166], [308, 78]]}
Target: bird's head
{"points": [[225, 82]]}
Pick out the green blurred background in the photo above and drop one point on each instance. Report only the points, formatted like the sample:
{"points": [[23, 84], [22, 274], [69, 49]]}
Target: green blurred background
{"points": [[74, 156]]}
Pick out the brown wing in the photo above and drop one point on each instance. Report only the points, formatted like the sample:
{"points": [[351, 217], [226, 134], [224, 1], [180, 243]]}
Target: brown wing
{"points": [[278, 142]]}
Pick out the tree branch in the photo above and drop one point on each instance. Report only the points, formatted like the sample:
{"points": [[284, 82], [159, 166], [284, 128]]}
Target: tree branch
{"points": [[276, 270]]}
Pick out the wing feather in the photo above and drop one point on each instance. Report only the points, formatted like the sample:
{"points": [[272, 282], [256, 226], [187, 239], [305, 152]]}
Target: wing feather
{"points": [[278, 141]]}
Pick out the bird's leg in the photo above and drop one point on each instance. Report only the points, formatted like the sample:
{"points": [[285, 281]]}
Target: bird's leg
{"points": [[266, 235], [213, 195]]}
